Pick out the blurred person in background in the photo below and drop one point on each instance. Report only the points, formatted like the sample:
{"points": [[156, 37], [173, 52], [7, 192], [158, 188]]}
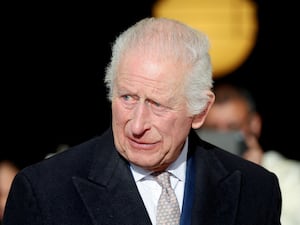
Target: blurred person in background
{"points": [[234, 112]]}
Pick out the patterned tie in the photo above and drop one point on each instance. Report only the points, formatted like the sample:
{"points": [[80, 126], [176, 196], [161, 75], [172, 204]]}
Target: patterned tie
{"points": [[168, 212]]}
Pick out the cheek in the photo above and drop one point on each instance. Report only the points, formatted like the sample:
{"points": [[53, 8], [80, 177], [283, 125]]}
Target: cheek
{"points": [[119, 115], [176, 127], [184, 126]]}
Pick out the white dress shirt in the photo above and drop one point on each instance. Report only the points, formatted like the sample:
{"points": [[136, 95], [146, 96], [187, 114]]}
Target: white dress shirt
{"points": [[150, 190]]}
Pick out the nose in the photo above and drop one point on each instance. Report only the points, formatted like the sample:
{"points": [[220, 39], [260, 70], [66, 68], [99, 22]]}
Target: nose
{"points": [[141, 119]]}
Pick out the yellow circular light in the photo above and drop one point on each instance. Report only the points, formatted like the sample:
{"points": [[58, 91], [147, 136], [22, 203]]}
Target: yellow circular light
{"points": [[231, 26]]}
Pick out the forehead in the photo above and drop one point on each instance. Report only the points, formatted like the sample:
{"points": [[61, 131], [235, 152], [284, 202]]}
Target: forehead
{"points": [[148, 71]]}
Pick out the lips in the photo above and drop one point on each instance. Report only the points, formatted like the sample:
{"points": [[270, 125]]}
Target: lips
{"points": [[139, 145]]}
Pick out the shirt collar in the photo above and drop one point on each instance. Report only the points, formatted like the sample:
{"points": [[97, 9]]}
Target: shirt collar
{"points": [[177, 168]]}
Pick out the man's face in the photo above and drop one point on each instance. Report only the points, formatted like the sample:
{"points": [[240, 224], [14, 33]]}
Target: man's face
{"points": [[149, 113]]}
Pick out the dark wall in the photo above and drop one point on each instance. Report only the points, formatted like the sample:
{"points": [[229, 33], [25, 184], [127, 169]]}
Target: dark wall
{"points": [[54, 60], [55, 56]]}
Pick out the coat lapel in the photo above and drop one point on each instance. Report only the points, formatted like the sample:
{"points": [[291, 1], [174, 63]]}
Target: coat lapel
{"points": [[109, 193], [216, 191]]}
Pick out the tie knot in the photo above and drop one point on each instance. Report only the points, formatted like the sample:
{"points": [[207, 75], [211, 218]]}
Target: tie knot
{"points": [[163, 178]]}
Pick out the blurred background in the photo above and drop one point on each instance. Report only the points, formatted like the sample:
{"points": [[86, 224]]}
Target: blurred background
{"points": [[54, 56]]}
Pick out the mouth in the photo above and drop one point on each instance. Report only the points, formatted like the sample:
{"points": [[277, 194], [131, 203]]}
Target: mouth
{"points": [[140, 145]]}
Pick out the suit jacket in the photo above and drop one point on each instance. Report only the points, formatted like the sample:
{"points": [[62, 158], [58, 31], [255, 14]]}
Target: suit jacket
{"points": [[91, 184]]}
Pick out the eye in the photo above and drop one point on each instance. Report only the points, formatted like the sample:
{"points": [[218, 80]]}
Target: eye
{"points": [[126, 97], [153, 104], [128, 101], [157, 107], [156, 104]]}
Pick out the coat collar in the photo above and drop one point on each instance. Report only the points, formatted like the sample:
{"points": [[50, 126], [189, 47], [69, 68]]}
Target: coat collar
{"points": [[109, 193], [111, 196], [216, 189]]}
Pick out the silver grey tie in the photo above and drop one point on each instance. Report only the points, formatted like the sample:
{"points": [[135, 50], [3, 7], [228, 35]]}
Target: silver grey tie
{"points": [[168, 212]]}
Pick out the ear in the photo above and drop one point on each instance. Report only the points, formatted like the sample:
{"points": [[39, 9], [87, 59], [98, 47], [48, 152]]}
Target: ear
{"points": [[255, 124], [199, 119]]}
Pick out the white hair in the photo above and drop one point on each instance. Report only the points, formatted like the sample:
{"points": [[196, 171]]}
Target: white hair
{"points": [[168, 39]]}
